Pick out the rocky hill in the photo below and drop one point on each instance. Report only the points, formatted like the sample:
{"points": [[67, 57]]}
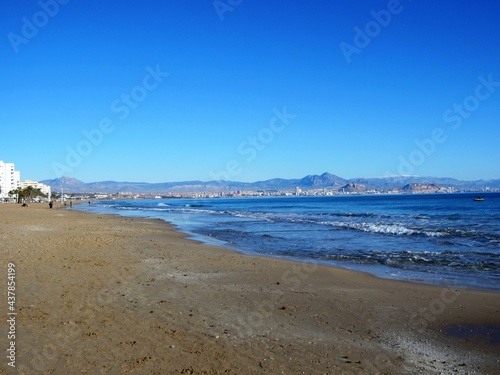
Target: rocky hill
{"points": [[421, 188], [353, 188]]}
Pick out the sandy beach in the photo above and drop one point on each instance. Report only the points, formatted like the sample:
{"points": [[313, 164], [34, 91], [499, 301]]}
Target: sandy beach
{"points": [[101, 294]]}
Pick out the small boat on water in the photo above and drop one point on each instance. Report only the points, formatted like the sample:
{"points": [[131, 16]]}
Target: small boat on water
{"points": [[478, 199]]}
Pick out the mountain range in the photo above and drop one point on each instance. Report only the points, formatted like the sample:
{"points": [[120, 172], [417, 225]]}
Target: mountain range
{"points": [[326, 180]]}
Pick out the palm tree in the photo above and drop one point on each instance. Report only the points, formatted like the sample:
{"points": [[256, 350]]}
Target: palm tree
{"points": [[29, 191], [18, 193], [27, 194]]}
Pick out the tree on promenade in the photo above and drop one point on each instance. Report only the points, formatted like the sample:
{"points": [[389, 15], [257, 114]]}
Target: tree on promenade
{"points": [[27, 194]]}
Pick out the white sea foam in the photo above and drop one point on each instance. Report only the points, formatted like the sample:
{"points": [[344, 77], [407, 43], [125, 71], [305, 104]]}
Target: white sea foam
{"points": [[381, 228]]}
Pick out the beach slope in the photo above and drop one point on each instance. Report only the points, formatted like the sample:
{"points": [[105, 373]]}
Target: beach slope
{"points": [[116, 295]]}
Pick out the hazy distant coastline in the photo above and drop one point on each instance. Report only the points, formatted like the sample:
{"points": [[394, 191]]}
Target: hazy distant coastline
{"points": [[325, 184]]}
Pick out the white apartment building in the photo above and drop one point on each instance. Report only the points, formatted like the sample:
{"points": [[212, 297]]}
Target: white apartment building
{"points": [[36, 185], [10, 179]]}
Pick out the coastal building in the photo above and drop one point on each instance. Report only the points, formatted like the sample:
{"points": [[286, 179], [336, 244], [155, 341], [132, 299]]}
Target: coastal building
{"points": [[10, 179], [36, 185]]}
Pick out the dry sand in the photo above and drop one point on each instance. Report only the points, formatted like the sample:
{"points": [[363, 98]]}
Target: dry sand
{"points": [[112, 295]]}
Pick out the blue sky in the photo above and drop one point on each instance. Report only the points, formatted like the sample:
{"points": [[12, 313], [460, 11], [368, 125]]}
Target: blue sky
{"points": [[183, 90]]}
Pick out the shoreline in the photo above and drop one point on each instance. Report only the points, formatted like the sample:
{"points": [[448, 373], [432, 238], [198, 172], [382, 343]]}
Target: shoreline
{"points": [[135, 295], [380, 271]]}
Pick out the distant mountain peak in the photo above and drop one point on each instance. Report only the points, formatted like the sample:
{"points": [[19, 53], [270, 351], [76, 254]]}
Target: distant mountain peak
{"points": [[326, 179], [327, 175], [70, 180], [64, 182]]}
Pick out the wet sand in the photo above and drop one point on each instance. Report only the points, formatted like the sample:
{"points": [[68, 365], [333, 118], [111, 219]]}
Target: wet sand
{"points": [[113, 295]]}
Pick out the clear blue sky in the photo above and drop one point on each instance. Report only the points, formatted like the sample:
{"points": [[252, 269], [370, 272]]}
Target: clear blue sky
{"points": [[355, 104]]}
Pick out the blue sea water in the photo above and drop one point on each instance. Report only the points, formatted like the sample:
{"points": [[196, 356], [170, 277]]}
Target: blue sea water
{"points": [[431, 238]]}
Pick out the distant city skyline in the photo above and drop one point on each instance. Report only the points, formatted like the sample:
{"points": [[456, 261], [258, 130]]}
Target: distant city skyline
{"points": [[248, 91]]}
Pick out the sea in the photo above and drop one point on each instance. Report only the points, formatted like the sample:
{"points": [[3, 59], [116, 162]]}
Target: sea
{"points": [[444, 239]]}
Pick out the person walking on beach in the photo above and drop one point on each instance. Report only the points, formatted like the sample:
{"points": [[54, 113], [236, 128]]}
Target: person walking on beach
{"points": [[51, 203]]}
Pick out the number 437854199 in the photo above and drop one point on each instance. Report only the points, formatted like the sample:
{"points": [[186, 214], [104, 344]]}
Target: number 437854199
{"points": [[11, 286]]}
